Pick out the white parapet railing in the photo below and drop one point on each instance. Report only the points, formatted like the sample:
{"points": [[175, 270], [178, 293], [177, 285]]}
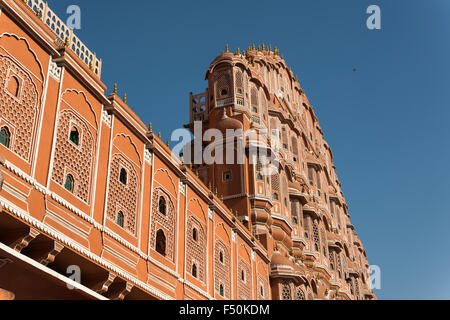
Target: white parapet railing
{"points": [[66, 34]]}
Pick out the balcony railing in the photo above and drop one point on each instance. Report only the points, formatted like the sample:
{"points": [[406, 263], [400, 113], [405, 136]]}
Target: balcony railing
{"points": [[66, 34], [225, 102]]}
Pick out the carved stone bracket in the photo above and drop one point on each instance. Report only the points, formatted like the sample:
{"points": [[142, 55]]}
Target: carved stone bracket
{"points": [[23, 242], [57, 248], [121, 291], [126, 291], [103, 286]]}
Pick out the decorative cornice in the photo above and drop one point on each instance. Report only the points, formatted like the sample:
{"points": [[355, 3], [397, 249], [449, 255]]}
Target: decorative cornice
{"points": [[71, 244]]}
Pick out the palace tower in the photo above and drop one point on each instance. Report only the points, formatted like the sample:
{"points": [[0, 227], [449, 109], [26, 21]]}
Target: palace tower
{"points": [[94, 205]]}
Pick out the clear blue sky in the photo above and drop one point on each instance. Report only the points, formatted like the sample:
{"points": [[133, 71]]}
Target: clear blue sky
{"points": [[386, 122]]}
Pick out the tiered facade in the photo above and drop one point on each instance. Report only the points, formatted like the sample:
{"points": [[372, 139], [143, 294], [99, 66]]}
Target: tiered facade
{"points": [[85, 184]]}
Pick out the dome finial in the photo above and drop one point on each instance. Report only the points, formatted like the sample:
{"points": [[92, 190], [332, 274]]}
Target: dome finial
{"points": [[224, 116], [226, 48], [115, 89]]}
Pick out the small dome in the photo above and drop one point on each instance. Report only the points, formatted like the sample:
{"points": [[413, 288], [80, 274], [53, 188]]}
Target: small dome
{"points": [[6, 295], [294, 185], [278, 259], [228, 123]]}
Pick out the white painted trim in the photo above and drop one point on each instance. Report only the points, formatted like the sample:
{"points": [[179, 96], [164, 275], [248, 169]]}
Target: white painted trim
{"points": [[93, 189], [177, 225], [185, 239], [108, 169], [254, 278], [195, 288], [52, 156], [119, 239], [41, 120], [152, 177], [141, 200]]}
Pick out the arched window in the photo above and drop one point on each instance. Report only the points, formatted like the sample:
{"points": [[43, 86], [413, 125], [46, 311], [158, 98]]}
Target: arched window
{"points": [[311, 175], [74, 136], [261, 291], [194, 234], [160, 243], [314, 287], [300, 295], [351, 286], [339, 265], [275, 196], [194, 270], [14, 86], [358, 297], [286, 292], [316, 236], [221, 290], [70, 183], [162, 205], [5, 136], [123, 176], [223, 85], [227, 176], [120, 219], [331, 258], [254, 98], [243, 275], [260, 177], [239, 82], [221, 257]]}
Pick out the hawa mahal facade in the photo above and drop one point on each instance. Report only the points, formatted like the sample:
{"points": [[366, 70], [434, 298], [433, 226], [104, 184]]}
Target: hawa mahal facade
{"points": [[94, 205]]}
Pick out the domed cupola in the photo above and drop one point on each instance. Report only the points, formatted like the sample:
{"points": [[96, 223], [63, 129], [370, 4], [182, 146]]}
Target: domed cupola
{"points": [[226, 123]]}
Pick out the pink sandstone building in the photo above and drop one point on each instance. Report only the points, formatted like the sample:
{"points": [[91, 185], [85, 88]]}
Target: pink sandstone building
{"points": [[87, 188]]}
